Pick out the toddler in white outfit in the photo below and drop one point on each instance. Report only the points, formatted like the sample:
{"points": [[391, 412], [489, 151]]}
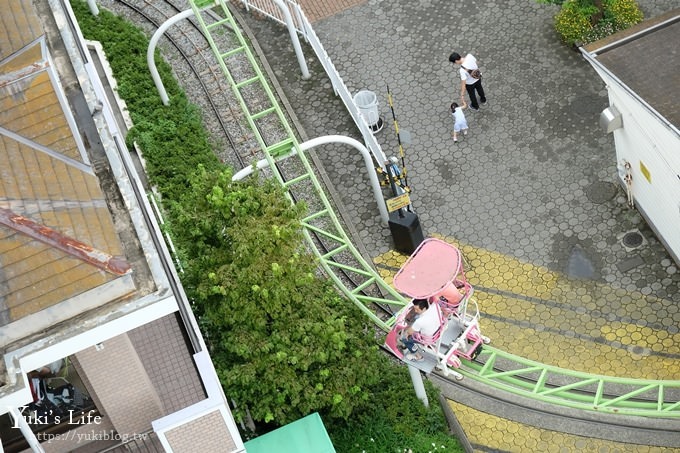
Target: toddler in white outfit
{"points": [[459, 121]]}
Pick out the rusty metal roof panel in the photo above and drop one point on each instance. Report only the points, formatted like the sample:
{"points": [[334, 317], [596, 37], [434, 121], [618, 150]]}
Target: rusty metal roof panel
{"points": [[26, 288], [21, 59], [30, 108]]}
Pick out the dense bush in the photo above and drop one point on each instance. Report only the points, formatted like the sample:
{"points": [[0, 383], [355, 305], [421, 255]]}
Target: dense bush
{"points": [[583, 21], [285, 343], [622, 14], [573, 21], [395, 421]]}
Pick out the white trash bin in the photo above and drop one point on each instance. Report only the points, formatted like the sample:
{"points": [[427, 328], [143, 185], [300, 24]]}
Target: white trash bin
{"points": [[367, 103]]}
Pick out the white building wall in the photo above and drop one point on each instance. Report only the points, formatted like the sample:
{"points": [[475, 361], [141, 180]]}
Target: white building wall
{"points": [[646, 142]]}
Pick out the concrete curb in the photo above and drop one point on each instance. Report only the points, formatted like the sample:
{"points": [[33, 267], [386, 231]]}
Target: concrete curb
{"points": [[610, 427], [454, 425]]}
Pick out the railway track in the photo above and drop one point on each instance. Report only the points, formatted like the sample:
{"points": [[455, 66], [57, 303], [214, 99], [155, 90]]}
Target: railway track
{"points": [[192, 61], [615, 428]]}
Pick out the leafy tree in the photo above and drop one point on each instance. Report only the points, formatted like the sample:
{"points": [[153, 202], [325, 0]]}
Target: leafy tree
{"points": [[283, 341]]}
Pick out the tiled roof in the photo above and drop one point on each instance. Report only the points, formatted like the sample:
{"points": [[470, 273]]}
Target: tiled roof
{"points": [[646, 58], [19, 25], [46, 178]]}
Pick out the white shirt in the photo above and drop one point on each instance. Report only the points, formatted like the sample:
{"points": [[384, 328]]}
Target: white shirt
{"points": [[469, 62], [458, 116], [428, 322]]}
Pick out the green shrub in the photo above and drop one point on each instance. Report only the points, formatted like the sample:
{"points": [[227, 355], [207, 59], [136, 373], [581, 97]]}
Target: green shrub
{"points": [[573, 21], [283, 341], [581, 21], [172, 138], [395, 420], [622, 13]]}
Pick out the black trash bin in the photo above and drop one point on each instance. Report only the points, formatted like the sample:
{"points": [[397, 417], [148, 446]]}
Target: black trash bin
{"points": [[406, 230]]}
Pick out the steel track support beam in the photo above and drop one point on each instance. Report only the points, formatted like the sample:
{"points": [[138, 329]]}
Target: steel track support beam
{"points": [[418, 385]]}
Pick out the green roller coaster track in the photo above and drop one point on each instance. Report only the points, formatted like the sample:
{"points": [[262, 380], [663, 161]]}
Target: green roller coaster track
{"points": [[330, 243]]}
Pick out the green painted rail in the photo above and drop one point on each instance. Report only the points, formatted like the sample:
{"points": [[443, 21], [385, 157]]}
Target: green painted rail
{"points": [[328, 240]]}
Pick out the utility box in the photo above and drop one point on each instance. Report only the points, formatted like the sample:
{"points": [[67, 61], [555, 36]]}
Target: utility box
{"points": [[406, 230]]}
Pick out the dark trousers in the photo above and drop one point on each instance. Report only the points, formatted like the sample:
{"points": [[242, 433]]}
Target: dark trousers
{"points": [[471, 92], [409, 343]]}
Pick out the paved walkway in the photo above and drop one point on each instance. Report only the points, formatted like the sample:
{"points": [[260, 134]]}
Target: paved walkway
{"points": [[316, 10], [530, 195]]}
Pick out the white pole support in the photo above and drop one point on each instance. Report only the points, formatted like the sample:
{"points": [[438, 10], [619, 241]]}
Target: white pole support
{"points": [[94, 10], [151, 50], [294, 38], [418, 385]]}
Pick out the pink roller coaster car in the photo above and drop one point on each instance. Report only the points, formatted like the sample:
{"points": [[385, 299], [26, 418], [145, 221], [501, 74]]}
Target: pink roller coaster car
{"points": [[435, 272]]}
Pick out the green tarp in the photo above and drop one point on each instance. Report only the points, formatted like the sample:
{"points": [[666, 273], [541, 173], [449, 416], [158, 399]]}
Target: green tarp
{"points": [[307, 435]]}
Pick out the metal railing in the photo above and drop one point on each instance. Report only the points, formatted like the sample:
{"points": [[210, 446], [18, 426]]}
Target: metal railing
{"points": [[269, 9]]}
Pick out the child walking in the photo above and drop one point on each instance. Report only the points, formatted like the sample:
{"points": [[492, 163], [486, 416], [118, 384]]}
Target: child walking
{"points": [[459, 121]]}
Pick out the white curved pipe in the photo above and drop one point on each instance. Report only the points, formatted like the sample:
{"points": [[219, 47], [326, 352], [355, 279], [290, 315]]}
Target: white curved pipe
{"points": [[368, 162], [260, 164], [151, 62]]}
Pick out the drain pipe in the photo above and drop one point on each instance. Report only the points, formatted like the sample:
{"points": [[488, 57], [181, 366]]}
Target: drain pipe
{"points": [[368, 162], [294, 38]]}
